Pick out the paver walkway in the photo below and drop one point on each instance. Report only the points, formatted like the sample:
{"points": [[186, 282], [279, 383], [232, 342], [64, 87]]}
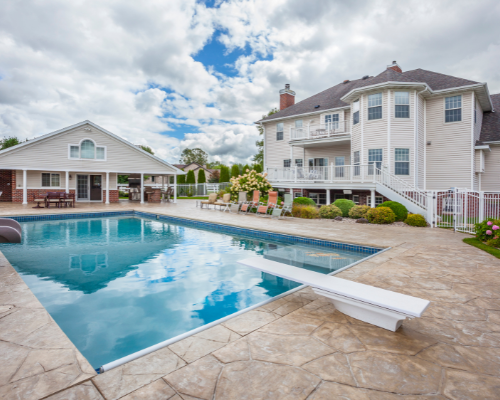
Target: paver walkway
{"points": [[297, 347]]}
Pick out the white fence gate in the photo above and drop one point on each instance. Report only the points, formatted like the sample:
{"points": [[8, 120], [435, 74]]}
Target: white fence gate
{"points": [[461, 209]]}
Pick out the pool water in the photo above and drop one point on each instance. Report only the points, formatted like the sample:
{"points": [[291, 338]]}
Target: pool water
{"points": [[120, 284]]}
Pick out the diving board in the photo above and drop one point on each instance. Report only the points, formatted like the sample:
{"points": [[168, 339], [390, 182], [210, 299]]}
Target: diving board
{"points": [[376, 306]]}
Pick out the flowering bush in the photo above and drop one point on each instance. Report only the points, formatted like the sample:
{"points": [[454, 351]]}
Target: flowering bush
{"points": [[488, 229], [249, 182]]}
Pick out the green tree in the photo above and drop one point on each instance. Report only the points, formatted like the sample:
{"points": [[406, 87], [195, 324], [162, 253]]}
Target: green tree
{"points": [[257, 168], [259, 157], [7, 142], [196, 155], [181, 179], [122, 178], [148, 149], [245, 167], [201, 176], [224, 174], [190, 178], [235, 170], [214, 165]]}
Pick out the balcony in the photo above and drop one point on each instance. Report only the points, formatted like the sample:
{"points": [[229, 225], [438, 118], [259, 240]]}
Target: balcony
{"points": [[331, 174], [322, 132]]}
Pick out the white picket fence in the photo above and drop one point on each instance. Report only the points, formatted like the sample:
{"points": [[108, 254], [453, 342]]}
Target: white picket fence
{"points": [[461, 209], [200, 189]]}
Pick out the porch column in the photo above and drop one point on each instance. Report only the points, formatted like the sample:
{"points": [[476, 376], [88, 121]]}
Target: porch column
{"points": [[107, 187], [372, 205], [328, 197], [25, 187], [142, 188], [175, 189], [67, 181]]}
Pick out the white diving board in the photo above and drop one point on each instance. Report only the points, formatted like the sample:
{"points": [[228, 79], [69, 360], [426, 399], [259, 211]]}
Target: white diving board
{"points": [[367, 303]]}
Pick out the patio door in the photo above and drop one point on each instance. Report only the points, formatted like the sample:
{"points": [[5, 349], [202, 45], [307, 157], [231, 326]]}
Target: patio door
{"points": [[319, 168], [96, 187], [82, 187], [339, 167]]}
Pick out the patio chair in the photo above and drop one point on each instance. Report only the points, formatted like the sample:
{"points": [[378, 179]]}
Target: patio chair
{"points": [[370, 304], [242, 197], [54, 198], [168, 193], [234, 208], [287, 207], [212, 197], [224, 202], [250, 205], [272, 202]]}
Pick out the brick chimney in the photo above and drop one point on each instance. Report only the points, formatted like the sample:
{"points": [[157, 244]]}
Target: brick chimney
{"points": [[287, 97], [395, 67]]}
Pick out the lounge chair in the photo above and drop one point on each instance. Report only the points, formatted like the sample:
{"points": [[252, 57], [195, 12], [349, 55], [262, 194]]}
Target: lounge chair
{"points": [[234, 207], [242, 197], [376, 306], [250, 205], [272, 202], [287, 207], [224, 202], [212, 197]]}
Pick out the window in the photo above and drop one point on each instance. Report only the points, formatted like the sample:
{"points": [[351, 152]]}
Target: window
{"points": [[87, 149], [339, 167], [355, 198], [453, 109], [99, 153], [319, 198], [375, 106], [332, 121], [74, 151], [152, 179], [298, 124], [287, 163], [356, 162], [279, 131], [299, 162], [402, 161], [355, 112], [297, 194], [402, 101], [378, 200], [374, 159], [51, 180]]}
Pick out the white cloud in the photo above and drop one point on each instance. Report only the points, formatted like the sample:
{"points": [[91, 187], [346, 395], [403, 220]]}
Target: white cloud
{"points": [[129, 66]]}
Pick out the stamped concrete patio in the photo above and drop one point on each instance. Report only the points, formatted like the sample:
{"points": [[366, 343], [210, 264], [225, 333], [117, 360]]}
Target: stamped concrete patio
{"points": [[297, 347]]}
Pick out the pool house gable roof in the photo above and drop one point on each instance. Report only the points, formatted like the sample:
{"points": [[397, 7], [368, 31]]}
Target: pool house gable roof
{"points": [[31, 144]]}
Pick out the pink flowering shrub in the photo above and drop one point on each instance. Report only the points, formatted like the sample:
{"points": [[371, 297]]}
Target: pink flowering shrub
{"points": [[489, 223], [487, 229]]}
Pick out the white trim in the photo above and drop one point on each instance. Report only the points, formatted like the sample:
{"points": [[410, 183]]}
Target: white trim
{"points": [[176, 171], [264, 148], [473, 141], [121, 172], [482, 147], [425, 144], [461, 109], [25, 186], [50, 173], [389, 128], [415, 140], [142, 188], [264, 121], [67, 182], [361, 120], [95, 151], [107, 188]]}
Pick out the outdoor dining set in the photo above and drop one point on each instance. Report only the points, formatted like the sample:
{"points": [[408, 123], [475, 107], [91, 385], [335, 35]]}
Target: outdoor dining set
{"points": [[57, 199]]}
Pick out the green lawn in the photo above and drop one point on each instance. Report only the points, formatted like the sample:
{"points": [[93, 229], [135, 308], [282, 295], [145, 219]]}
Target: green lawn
{"points": [[480, 245]]}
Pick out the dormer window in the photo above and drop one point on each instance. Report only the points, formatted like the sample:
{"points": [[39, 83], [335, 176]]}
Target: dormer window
{"points": [[87, 150]]}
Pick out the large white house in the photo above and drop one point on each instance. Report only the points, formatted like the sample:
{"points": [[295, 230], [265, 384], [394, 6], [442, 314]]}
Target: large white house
{"points": [[392, 136], [83, 159]]}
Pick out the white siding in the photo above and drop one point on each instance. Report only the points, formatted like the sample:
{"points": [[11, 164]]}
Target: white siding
{"points": [[342, 149], [449, 155], [35, 179], [490, 180], [477, 132], [52, 153], [421, 142]]}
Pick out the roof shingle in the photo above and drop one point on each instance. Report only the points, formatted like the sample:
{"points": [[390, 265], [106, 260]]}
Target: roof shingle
{"points": [[490, 130]]}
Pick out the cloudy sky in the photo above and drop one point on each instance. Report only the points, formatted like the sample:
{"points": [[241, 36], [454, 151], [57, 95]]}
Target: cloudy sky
{"points": [[173, 74]]}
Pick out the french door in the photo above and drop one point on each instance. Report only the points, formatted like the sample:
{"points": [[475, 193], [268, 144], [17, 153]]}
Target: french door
{"points": [[82, 187]]}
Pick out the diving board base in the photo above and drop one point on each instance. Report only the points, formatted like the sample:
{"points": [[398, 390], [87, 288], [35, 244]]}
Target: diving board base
{"points": [[369, 313]]}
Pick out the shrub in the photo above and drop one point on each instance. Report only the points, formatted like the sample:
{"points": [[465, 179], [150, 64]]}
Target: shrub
{"points": [[296, 210], [381, 215], [358, 211], [495, 242], [250, 181], [309, 212], [181, 179], [235, 171], [344, 205], [488, 229], [305, 201], [257, 168], [201, 176], [330, 211], [224, 174], [123, 194], [190, 177], [415, 220], [398, 209]]}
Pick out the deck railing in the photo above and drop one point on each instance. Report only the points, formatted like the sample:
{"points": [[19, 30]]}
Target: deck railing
{"points": [[320, 131], [332, 173]]}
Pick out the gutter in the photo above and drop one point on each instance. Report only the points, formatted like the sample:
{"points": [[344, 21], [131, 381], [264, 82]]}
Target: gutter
{"points": [[482, 147], [303, 115]]}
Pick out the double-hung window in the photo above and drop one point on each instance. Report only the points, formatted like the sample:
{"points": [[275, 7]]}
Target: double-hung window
{"points": [[374, 159], [299, 162], [356, 162], [402, 104], [287, 163], [355, 112], [332, 122], [51, 180], [279, 131], [453, 108], [375, 106], [402, 161]]}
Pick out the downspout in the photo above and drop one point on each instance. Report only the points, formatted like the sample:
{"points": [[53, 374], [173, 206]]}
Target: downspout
{"points": [[472, 166], [417, 112], [263, 147]]}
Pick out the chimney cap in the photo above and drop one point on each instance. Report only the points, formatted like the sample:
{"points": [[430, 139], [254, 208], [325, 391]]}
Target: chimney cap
{"points": [[394, 62], [346, 81], [366, 76], [287, 86]]}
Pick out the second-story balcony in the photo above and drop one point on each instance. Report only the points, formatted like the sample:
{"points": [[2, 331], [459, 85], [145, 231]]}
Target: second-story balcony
{"points": [[337, 130], [333, 173]]}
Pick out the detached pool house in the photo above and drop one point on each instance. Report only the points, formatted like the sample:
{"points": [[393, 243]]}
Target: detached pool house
{"points": [[83, 159]]}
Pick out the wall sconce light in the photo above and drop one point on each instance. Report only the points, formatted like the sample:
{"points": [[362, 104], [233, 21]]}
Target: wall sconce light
{"points": [[70, 176], [429, 143]]}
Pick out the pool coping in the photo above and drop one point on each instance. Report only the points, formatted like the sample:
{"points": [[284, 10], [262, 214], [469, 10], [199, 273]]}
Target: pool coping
{"points": [[372, 251]]}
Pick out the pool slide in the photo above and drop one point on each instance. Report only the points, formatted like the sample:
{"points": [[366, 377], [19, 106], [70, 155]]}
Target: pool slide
{"points": [[10, 231]]}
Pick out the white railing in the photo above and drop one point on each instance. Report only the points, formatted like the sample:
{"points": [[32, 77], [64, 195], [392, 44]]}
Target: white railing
{"points": [[320, 131], [332, 173], [403, 188]]}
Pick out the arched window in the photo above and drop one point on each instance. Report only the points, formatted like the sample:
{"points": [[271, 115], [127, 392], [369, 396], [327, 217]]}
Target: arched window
{"points": [[87, 149]]}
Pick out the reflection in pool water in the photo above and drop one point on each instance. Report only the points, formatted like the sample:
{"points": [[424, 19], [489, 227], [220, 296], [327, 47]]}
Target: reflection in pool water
{"points": [[117, 285]]}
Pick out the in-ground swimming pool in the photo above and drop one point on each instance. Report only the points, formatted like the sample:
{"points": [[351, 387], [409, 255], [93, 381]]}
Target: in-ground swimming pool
{"points": [[117, 285]]}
